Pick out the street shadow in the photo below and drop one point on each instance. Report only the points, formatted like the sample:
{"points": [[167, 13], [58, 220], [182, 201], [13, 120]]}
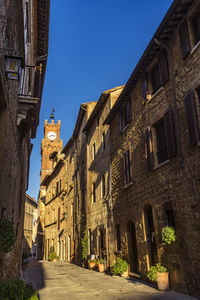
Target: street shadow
{"points": [[34, 274]]}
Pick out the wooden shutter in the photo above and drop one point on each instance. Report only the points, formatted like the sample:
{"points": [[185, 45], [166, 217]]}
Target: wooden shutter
{"points": [[163, 68], [125, 167], [144, 87], [170, 136], [58, 218], [149, 154], [191, 113], [120, 121], [128, 111], [184, 40]]}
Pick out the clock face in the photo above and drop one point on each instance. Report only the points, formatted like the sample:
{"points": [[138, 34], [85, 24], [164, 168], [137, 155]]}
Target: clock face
{"points": [[51, 135]]}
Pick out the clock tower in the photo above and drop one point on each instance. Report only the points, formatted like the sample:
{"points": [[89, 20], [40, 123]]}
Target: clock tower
{"points": [[50, 143]]}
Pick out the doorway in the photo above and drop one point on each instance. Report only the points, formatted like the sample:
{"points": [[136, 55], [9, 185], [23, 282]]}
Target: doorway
{"points": [[69, 249], [149, 234], [132, 247]]}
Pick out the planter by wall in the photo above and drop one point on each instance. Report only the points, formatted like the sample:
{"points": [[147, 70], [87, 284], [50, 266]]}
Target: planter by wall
{"points": [[163, 281], [92, 265], [101, 268]]}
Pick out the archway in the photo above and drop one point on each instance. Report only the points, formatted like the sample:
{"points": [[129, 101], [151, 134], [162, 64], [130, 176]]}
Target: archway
{"points": [[132, 247]]}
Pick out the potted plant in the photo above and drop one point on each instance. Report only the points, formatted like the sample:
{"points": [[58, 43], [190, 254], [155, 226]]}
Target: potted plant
{"points": [[92, 264], [159, 273], [168, 235], [84, 244], [120, 267], [52, 255], [101, 265]]}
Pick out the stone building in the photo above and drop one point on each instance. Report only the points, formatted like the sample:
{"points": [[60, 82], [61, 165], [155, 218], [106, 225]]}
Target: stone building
{"points": [[64, 190], [23, 54], [155, 169], [28, 242], [98, 200]]}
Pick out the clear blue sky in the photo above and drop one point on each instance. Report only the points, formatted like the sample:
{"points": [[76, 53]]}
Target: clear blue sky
{"points": [[93, 46]]}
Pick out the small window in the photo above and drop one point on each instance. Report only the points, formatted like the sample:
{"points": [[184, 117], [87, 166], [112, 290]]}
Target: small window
{"points": [[125, 115], [170, 217], [184, 40], [103, 140], [118, 236], [160, 73], [66, 165], [103, 186], [127, 167], [196, 28], [93, 151], [78, 202], [93, 193], [71, 209], [161, 143], [144, 87]]}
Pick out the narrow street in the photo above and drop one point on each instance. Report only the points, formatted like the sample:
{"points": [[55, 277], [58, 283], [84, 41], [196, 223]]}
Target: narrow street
{"points": [[59, 281]]}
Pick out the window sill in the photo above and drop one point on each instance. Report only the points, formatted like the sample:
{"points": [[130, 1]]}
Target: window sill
{"points": [[155, 94], [127, 185], [161, 164]]}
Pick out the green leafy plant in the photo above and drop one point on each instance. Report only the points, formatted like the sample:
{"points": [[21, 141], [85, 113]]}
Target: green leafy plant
{"points": [[158, 268], [119, 267], [100, 261], [168, 235], [84, 244], [52, 254], [92, 261], [16, 290], [7, 235]]}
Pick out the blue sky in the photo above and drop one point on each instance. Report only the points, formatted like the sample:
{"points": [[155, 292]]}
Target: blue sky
{"points": [[93, 46]]}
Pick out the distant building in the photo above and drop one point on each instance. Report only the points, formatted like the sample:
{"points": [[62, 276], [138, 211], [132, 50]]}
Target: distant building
{"points": [[29, 219]]}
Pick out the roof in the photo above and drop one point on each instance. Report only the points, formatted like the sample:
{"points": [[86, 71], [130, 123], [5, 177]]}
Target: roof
{"points": [[31, 199], [162, 35], [100, 103]]}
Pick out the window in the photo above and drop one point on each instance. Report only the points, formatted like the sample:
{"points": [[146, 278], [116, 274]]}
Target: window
{"points": [[103, 186], [57, 187], [93, 193], [144, 87], [127, 167], [66, 165], [184, 40], [118, 237], [196, 28], [192, 118], [159, 73], [78, 202], [58, 218], [93, 151], [160, 141], [71, 209], [125, 115], [103, 140]]}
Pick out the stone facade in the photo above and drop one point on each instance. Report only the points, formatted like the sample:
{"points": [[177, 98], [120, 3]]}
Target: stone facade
{"points": [[155, 154], [21, 22], [28, 242], [98, 200]]}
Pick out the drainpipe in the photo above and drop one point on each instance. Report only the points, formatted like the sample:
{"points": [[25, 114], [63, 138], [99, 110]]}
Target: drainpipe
{"points": [[178, 144]]}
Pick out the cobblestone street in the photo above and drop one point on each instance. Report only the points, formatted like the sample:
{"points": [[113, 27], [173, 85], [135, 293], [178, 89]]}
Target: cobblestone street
{"points": [[56, 281]]}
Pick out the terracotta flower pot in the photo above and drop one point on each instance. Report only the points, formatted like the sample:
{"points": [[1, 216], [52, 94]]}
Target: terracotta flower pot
{"points": [[125, 274], [163, 281], [92, 265], [101, 268]]}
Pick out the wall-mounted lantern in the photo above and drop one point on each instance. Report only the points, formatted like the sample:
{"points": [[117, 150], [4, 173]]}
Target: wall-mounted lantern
{"points": [[13, 67]]}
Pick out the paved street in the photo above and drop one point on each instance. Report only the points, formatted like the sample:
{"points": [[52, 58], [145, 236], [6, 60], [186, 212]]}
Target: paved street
{"points": [[59, 281]]}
